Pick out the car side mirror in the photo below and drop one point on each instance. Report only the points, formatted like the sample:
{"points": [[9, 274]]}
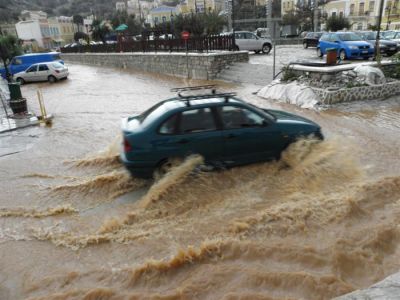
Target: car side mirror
{"points": [[337, 42]]}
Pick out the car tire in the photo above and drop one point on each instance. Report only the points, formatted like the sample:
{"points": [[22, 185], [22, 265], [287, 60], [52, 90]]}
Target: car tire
{"points": [[342, 54], [51, 79], [165, 166], [20, 80], [319, 52], [305, 45], [266, 48]]}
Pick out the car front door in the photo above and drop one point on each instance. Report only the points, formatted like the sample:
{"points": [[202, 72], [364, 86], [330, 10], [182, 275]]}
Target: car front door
{"points": [[30, 73], [248, 136], [253, 42], [193, 131]]}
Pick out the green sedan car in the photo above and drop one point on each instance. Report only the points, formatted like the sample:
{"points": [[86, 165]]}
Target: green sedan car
{"points": [[225, 130]]}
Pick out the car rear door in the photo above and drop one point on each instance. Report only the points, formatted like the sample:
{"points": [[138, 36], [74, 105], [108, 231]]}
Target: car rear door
{"points": [[241, 41], [248, 136], [196, 133], [43, 72]]}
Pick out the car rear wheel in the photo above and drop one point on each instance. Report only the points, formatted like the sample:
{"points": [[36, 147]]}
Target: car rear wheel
{"points": [[165, 166], [52, 79], [319, 52], [20, 80], [342, 55], [266, 48], [305, 45]]}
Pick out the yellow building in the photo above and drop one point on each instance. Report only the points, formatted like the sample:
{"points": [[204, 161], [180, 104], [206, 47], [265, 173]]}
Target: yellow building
{"points": [[288, 6], [391, 15], [162, 14]]}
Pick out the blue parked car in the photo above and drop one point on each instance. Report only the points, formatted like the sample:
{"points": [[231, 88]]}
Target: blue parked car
{"points": [[23, 62], [348, 45], [225, 130]]}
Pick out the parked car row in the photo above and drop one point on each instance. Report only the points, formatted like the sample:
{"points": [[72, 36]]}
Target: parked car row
{"points": [[350, 45]]}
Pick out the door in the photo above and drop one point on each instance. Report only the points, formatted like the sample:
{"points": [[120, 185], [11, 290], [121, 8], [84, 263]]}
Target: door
{"points": [[248, 136], [43, 72], [193, 131], [252, 41], [30, 73], [241, 41]]}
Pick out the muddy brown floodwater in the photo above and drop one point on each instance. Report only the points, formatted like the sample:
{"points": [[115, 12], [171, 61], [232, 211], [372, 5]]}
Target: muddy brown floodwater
{"points": [[74, 225]]}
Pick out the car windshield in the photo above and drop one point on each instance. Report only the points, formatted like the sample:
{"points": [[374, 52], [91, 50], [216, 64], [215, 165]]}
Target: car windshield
{"points": [[57, 65], [349, 37], [369, 35], [390, 35]]}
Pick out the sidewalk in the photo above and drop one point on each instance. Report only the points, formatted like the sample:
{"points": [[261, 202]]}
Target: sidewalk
{"points": [[9, 124]]}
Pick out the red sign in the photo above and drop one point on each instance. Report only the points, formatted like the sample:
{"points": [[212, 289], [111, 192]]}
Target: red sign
{"points": [[185, 35]]}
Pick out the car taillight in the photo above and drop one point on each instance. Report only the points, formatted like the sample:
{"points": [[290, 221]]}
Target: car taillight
{"points": [[127, 146]]}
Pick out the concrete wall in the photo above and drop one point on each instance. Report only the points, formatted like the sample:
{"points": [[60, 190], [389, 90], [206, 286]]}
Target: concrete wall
{"points": [[381, 91], [194, 65]]}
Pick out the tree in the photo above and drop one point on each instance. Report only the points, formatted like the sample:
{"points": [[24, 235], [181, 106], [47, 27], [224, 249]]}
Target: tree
{"points": [[81, 36], [337, 23], [291, 18], [78, 20], [9, 47], [131, 21], [100, 29]]}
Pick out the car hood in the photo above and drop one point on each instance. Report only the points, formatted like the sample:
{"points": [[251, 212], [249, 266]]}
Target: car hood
{"points": [[19, 73], [356, 43], [285, 117]]}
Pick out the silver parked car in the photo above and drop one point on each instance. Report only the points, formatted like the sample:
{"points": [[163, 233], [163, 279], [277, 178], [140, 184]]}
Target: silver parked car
{"points": [[246, 40], [47, 71]]}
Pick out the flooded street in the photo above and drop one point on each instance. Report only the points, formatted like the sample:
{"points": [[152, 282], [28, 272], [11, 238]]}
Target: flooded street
{"points": [[75, 225]]}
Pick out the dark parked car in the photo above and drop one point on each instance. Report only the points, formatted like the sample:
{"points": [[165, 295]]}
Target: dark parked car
{"points": [[386, 46], [311, 39], [225, 130]]}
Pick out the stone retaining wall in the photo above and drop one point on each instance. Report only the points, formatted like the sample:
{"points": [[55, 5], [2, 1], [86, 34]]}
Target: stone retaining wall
{"points": [[329, 96], [194, 65]]}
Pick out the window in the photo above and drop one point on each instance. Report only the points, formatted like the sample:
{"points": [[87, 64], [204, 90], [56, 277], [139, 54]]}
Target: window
{"points": [[334, 14], [169, 126], [164, 19], [341, 14], [43, 68], [352, 9], [371, 6], [31, 69], [236, 117], [361, 9], [156, 20], [197, 120], [250, 36], [239, 36]]}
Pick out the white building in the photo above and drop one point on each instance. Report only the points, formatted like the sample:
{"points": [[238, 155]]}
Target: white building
{"points": [[32, 30]]}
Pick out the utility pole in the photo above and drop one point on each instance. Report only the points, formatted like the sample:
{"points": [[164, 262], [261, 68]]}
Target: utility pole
{"points": [[377, 50]]}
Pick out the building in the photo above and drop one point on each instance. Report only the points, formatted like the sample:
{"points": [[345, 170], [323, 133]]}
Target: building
{"points": [[162, 14], [8, 29], [391, 15], [288, 6], [34, 27], [67, 29], [362, 14]]}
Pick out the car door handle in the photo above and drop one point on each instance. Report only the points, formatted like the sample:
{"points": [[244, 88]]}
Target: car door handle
{"points": [[183, 141], [230, 136]]}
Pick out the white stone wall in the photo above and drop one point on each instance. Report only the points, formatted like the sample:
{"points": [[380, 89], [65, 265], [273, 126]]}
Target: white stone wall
{"points": [[193, 65]]}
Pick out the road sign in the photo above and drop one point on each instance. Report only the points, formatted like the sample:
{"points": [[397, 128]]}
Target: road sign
{"points": [[185, 35]]}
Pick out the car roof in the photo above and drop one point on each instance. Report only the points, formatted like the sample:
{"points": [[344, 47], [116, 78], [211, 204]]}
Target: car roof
{"points": [[180, 102], [37, 54]]}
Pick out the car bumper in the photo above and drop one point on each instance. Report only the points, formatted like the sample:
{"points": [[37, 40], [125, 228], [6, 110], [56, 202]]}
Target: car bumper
{"points": [[141, 169], [361, 53]]}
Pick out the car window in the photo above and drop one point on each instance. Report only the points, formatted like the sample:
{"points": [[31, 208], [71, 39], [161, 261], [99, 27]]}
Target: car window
{"points": [[16, 61], [169, 126], [250, 36], [56, 57], [31, 69], [239, 35], [197, 120], [237, 117], [57, 65], [349, 36], [43, 68], [325, 37]]}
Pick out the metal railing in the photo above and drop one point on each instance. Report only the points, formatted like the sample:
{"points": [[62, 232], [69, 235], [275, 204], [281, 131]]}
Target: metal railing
{"points": [[127, 44]]}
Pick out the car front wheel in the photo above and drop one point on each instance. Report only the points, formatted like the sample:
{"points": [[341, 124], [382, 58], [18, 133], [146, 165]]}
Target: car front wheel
{"points": [[319, 52], [266, 48], [342, 55], [20, 80], [165, 167]]}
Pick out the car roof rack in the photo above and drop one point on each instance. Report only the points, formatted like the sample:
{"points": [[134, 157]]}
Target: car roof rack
{"points": [[211, 87]]}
